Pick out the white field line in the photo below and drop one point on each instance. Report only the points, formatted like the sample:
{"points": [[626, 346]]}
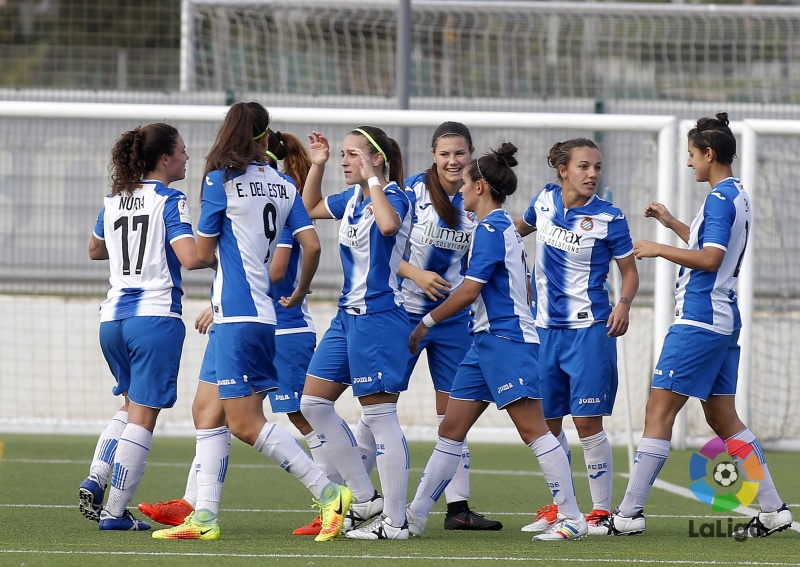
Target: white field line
{"points": [[660, 484], [569, 560]]}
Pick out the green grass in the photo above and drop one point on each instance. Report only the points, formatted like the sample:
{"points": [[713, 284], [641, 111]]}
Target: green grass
{"points": [[40, 524]]}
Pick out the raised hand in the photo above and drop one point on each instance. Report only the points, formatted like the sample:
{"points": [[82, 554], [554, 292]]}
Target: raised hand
{"points": [[320, 149]]}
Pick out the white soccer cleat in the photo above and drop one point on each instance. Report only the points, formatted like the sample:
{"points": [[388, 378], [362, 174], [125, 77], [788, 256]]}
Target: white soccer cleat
{"points": [[381, 528], [565, 529], [598, 521], [766, 523], [361, 512], [546, 516], [617, 524], [416, 524]]}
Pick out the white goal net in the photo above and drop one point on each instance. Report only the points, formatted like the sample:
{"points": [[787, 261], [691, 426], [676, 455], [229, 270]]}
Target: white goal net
{"points": [[53, 174]]}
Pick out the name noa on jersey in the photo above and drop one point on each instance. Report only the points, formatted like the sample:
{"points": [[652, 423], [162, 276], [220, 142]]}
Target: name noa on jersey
{"points": [[139, 229]]}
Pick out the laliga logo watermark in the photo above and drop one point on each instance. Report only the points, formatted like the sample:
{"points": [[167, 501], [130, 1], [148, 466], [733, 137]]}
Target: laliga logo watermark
{"points": [[720, 483]]}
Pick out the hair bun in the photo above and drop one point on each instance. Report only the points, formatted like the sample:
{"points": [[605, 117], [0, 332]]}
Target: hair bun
{"points": [[506, 153]]}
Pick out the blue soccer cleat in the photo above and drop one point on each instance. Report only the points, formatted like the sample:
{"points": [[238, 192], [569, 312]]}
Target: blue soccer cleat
{"points": [[90, 498]]}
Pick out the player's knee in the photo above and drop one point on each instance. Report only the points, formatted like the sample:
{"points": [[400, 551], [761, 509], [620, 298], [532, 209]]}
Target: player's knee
{"points": [[312, 407], [451, 429], [300, 422], [587, 427]]}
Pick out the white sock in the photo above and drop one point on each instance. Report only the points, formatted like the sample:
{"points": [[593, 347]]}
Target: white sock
{"points": [[211, 462], [339, 445], [562, 438], [319, 456], [768, 498], [131, 458], [557, 474], [190, 494], [440, 469], [392, 458], [599, 461], [458, 488], [651, 454], [107, 447], [366, 444], [277, 444]]}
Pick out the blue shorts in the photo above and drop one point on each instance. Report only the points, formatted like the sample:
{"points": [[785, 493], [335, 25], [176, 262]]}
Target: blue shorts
{"points": [[368, 352], [293, 352], [577, 371], [697, 362], [243, 359], [445, 345], [144, 355], [208, 371], [497, 370]]}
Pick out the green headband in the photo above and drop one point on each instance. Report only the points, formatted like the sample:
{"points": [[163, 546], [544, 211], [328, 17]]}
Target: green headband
{"points": [[273, 156], [262, 134], [374, 143]]}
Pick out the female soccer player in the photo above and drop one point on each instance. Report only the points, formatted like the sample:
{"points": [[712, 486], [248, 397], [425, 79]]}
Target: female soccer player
{"points": [[360, 348], [295, 338], [145, 231], [440, 235], [578, 234], [502, 362], [245, 206], [700, 356]]}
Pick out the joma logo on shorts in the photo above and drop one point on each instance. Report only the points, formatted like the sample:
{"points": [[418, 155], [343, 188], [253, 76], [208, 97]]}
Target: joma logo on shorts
{"points": [[362, 379], [504, 387], [282, 397], [589, 401], [226, 382]]}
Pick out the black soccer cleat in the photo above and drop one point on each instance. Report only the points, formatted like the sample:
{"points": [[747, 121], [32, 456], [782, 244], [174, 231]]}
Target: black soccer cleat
{"points": [[469, 520]]}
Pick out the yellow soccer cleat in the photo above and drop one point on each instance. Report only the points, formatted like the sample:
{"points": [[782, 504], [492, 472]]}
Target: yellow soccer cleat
{"points": [[193, 528], [332, 513]]}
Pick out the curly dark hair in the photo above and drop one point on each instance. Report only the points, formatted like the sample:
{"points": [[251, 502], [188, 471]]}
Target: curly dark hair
{"points": [[137, 152]]}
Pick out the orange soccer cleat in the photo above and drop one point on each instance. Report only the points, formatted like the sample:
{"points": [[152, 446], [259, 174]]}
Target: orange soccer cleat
{"points": [[171, 512], [311, 529]]}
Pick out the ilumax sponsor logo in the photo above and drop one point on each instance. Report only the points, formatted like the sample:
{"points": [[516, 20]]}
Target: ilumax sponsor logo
{"points": [[348, 235], [560, 238], [443, 237]]}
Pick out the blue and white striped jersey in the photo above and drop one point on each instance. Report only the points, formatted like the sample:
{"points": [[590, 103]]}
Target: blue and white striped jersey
{"points": [[433, 246], [247, 211], [295, 319], [707, 299], [138, 230], [497, 259], [369, 259], [574, 249]]}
